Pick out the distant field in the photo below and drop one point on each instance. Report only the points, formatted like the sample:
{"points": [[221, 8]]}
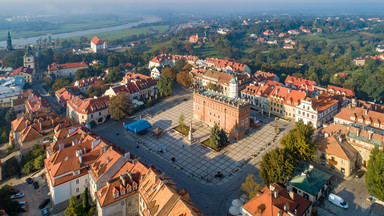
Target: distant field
{"points": [[114, 35], [157, 46], [70, 25]]}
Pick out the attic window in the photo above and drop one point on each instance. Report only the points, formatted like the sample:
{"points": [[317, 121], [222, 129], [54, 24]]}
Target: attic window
{"points": [[367, 122], [122, 192], [360, 120], [116, 195], [352, 118]]}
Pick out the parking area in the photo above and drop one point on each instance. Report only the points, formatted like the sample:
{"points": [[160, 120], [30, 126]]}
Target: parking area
{"points": [[33, 196], [355, 193]]}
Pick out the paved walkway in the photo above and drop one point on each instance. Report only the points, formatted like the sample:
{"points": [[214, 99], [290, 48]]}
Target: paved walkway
{"points": [[197, 161]]}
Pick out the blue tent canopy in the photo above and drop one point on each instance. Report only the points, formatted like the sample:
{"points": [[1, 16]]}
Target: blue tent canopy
{"points": [[138, 126]]}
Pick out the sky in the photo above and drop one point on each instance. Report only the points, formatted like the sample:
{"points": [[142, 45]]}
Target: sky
{"points": [[31, 7]]}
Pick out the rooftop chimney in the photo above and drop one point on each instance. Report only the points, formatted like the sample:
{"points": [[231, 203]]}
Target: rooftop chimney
{"points": [[123, 181], [370, 133], [357, 131], [291, 195]]}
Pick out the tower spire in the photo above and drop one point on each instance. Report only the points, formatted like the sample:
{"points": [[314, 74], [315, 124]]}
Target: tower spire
{"points": [[9, 42]]}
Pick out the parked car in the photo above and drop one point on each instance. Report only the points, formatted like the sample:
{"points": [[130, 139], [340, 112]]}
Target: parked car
{"points": [[359, 174], [29, 180], [44, 212], [44, 203], [333, 198], [13, 191], [36, 185], [22, 202], [17, 196]]}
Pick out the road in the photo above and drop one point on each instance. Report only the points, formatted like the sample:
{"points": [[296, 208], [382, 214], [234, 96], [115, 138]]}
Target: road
{"points": [[210, 199]]}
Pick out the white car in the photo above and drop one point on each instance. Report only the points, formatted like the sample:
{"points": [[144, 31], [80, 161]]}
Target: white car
{"points": [[22, 202], [17, 196], [333, 198]]}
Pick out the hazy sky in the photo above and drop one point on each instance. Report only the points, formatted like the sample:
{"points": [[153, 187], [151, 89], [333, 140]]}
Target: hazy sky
{"points": [[27, 7]]}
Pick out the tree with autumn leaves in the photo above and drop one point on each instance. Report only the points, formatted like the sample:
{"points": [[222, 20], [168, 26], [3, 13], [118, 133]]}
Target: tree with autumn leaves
{"points": [[120, 106]]}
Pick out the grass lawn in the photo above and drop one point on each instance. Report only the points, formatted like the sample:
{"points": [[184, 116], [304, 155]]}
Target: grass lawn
{"points": [[207, 142], [184, 130], [155, 47], [114, 35], [73, 24], [207, 49]]}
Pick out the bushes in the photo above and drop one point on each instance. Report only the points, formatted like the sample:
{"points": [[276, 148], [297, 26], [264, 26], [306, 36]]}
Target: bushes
{"points": [[33, 161], [11, 167]]}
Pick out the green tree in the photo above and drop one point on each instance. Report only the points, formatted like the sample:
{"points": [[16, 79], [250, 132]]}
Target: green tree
{"points": [[120, 106], [299, 143], [71, 209], [181, 121], [170, 72], [28, 167], [60, 83], [10, 206], [374, 178], [86, 200], [165, 85], [250, 186], [11, 167], [38, 163], [14, 59], [214, 138], [179, 64], [276, 166], [114, 75]]}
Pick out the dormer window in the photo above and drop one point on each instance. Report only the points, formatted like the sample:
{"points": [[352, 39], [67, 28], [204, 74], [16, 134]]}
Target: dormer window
{"points": [[116, 195], [77, 172], [367, 122], [122, 192], [360, 120], [352, 118]]}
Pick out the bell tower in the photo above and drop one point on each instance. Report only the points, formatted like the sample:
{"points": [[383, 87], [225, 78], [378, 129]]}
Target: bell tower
{"points": [[29, 60]]}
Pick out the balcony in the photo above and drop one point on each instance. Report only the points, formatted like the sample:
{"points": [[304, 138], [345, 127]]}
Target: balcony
{"points": [[330, 161]]}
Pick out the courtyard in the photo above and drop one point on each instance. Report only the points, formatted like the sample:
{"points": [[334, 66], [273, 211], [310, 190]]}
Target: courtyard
{"points": [[197, 161]]}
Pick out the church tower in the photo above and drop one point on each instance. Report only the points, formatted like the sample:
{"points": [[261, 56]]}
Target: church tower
{"points": [[9, 42], [29, 60], [233, 88]]}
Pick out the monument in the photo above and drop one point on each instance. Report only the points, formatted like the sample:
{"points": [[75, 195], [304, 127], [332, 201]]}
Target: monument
{"points": [[189, 140]]}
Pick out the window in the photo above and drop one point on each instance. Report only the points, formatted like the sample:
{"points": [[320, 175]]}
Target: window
{"points": [[214, 115], [246, 120], [299, 112], [342, 170], [218, 116], [78, 197], [198, 108], [342, 161], [92, 116], [210, 113], [82, 117], [77, 190], [77, 181], [99, 113], [242, 122]]}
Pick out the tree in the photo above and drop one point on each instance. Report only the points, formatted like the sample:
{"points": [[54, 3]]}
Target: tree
{"points": [[181, 121], [170, 72], [165, 85], [11, 167], [213, 87], [38, 163], [179, 64], [60, 83], [120, 106], [28, 167], [86, 200], [276, 166], [374, 178], [15, 59], [184, 79], [71, 209], [250, 186], [299, 143], [114, 75], [214, 138], [10, 206], [10, 115]]}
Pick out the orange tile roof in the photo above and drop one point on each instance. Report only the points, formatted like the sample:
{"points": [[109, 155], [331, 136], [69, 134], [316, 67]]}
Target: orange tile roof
{"points": [[55, 66], [323, 101], [360, 113], [89, 105], [266, 203], [226, 63], [300, 82], [294, 98], [86, 82], [104, 162], [333, 146], [36, 103], [141, 81], [341, 91], [95, 40], [21, 70], [66, 93], [29, 134]]}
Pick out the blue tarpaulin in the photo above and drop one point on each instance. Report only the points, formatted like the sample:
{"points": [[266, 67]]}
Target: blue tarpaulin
{"points": [[138, 126]]}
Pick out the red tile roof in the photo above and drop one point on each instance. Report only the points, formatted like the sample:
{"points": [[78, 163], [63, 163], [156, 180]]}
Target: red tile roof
{"points": [[332, 145], [55, 66], [219, 63], [21, 70], [86, 82], [36, 103], [341, 91], [89, 105], [265, 203], [354, 114], [300, 82], [95, 40], [66, 93]]}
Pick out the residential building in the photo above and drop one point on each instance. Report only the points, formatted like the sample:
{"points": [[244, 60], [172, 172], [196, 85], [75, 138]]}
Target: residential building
{"points": [[83, 84], [230, 114], [345, 93], [35, 103], [99, 46], [368, 105], [380, 48], [146, 85], [282, 34], [299, 83], [360, 118], [318, 110], [293, 32], [198, 38], [335, 153], [309, 182], [272, 41], [130, 89], [65, 70], [223, 31], [288, 46], [25, 72], [88, 111], [359, 62], [257, 96], [202, 77], [305, 30], [156, 72], [268, 33], [67, 171], [363, 140], [10, 89], [65, 94], [292, 102], [276, 200], [229, 66], [170, 60], [35, 128], [261, 76]]}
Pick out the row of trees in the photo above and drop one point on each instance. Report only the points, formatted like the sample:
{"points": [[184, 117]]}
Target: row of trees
{"points": [[85, 209]]}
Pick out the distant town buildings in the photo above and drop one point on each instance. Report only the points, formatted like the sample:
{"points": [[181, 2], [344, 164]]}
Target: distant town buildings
{"points": [[65, 70]]}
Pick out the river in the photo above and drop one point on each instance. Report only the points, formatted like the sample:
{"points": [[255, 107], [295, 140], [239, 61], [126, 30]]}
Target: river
{"points": [[29, 40]]}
